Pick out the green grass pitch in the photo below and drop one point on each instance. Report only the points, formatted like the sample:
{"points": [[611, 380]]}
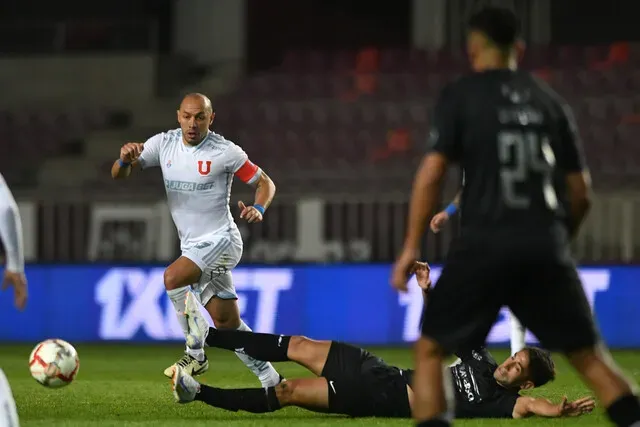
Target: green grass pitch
{"points": [[123, 385]]}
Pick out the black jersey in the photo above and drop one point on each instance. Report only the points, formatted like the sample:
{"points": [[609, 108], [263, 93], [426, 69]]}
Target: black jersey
{"points": [[516, 140], [477, 393]]}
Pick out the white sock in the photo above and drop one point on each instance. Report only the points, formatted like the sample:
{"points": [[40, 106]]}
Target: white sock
{"points": [[517, 335], [178, 298], [265, 371], [196, 353]]}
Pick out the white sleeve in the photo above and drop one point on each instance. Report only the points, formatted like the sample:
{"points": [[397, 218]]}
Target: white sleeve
{"points": [[236, 157], [8, 412], [239, 164], [11, 229], [150, 155]]}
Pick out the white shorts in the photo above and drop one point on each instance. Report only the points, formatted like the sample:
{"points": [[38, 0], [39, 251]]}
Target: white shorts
{"points": [[216, 256], [8, 413]]}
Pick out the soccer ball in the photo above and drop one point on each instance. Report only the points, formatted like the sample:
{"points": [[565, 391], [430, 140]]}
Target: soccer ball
{"points": [[54, 363]]}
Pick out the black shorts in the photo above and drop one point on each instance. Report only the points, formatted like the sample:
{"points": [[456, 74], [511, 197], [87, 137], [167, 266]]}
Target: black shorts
{"points": [[534, 276], [363, 385]]}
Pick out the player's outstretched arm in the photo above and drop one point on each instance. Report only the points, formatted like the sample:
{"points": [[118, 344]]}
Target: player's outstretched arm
{"points": [[426, 189], [265, 192], [129, 154], [528, 406], [443, 141]]}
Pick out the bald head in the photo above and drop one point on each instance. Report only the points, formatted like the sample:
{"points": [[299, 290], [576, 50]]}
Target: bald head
{"points": [[197, 100], [195, 116]]}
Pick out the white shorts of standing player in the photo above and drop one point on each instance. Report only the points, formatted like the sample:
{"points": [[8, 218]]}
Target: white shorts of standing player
{"points": [[216, 256], [8, 412], [517, 335]]}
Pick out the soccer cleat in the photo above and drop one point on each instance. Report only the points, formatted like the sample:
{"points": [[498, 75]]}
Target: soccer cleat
{"points": [[185, 387], [198, 326], [189, 365]]}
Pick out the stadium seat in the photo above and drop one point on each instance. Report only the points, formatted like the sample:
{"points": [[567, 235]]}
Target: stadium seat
{"points": [[335, 110]]}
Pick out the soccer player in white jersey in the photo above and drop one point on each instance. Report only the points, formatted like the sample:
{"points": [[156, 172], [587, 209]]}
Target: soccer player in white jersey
{"points": [[11, 234], [518, 332], [198, 167]]}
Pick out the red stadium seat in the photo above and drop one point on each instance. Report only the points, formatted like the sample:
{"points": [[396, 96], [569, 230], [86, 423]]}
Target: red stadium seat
{"points": [[335, 109]]}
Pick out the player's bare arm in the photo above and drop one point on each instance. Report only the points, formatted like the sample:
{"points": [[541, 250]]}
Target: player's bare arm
{"points": [[527, 406], [265, 192], [128, 159], [442, 217], [424, 196]]}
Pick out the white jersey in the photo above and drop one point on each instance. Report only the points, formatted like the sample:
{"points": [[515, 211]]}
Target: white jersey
{"points": [[198, 181]]}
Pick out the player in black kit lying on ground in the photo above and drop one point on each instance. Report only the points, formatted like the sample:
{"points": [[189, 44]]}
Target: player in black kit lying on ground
{"points": [[354, 382]]}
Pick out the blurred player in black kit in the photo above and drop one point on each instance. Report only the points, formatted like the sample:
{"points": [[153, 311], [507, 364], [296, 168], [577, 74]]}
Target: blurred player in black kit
{"points": [[526, 193]]}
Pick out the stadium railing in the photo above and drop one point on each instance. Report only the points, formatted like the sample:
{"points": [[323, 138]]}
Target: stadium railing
{"points": [[363, 227]]}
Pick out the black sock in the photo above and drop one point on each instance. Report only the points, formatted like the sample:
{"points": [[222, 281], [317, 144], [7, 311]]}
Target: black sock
{"points": [[625, 411], [433, 422], [256, 400], [264, 347]]}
